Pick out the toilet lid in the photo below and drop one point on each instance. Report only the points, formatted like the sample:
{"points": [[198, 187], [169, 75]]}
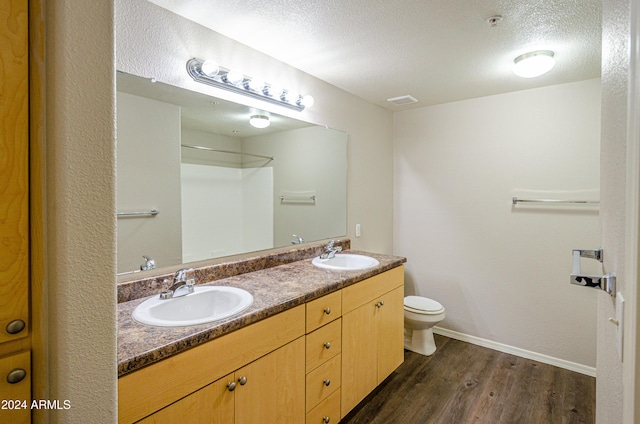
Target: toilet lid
{"points": [[423, 305]]}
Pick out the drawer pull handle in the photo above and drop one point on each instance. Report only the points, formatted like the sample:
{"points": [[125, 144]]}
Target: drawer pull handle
{"points": [[380, 304], [326, 420], [16, 326], [327, 382], [327, 345], [231, 386], [327, 311], [242, 380], [16, 375]]}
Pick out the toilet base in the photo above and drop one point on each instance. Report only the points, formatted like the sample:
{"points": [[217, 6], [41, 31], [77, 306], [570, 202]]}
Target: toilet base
{"points": [[419, 341]]}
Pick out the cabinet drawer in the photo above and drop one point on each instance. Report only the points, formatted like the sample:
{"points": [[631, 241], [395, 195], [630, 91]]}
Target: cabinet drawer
{"points": [[323, 310], [324, 343], [368, 290], [327, 411], [17, 394], [323, 381]]}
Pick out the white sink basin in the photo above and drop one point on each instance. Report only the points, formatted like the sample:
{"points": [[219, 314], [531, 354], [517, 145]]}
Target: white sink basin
{"points": [[205, 304], [346, 262]]}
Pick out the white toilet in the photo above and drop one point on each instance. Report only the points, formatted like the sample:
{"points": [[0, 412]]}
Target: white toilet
{"points": [[420, 315]]}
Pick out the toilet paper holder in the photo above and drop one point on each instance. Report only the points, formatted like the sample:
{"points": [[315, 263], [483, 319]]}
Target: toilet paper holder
{"points": [[605, 282]]}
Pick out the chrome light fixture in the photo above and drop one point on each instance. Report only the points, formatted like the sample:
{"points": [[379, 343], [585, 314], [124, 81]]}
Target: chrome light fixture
{"points": [[259, 121], [210, 73], [533, 64]]}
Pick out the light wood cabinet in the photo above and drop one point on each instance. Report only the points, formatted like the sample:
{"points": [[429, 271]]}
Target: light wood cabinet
{"points": [[213, 404], [269, 390], [15, 357], [310, 364], [15, 395], [14, 170], [323, 358], [372, 334], [152, 388], [274, 387]]}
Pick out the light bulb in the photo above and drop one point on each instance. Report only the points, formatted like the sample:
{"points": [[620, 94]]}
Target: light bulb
{"points": [[259, 121], [533, 64], [210, 68], [234, 77], [307, 101]]}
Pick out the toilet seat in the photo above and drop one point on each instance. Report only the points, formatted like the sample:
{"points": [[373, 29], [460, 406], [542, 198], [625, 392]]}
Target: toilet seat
{"points": [[422, 305]]}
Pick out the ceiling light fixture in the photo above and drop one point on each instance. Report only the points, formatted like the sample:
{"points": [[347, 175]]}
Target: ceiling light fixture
{"points": [[533, 64], [210, 73], [259, 121]]}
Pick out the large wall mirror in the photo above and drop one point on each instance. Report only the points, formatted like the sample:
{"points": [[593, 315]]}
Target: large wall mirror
{"points": [[196, 181]]}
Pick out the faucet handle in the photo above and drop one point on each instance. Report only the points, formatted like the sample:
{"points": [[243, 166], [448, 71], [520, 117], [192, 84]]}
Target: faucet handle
{"points": [[148, 264], [181, 274]]}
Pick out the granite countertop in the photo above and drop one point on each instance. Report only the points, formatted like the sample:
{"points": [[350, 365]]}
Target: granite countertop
{"points": [[274, 290]]}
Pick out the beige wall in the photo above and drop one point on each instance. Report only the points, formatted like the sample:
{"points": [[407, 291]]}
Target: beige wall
{"points": [[502, 272], [80, 210], [615, 68]]}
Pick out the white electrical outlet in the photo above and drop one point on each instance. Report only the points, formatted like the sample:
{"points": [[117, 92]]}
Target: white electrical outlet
{"points": [[357, 230]]}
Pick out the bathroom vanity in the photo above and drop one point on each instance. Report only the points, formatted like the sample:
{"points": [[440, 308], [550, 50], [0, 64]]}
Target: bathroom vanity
{"points": [[311, 347]]}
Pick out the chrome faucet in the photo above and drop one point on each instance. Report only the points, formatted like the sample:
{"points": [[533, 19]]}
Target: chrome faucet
{"points": [[148, 264], [298, 239], [180, 284], [330, 250]]}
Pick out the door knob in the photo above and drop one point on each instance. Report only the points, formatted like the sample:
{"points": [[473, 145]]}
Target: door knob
{"points": [[15, 326], [16, 375]]}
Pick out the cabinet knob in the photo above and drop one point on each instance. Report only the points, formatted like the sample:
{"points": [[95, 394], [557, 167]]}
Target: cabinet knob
{"points": [[16, 375], [327, 311], [327, 382], [327, 345], [326, 419], [231, 386], [380, 304], [15, 326], [242, 380]]}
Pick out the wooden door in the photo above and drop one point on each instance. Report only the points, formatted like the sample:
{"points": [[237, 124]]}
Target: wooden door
{"points": [[15, 392], [359, 355], [390, 333], [271, 389], [14, 170], [213, 404]]}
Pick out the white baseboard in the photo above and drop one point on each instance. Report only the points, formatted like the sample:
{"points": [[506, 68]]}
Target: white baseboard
{"points": [[545, 359]]}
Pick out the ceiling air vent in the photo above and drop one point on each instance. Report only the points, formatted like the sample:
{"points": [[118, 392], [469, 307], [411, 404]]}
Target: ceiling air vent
{"points": [[403, 100]]}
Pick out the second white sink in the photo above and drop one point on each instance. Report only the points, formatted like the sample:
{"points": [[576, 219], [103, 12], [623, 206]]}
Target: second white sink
{"points": [[205, 304], [346, 262]]}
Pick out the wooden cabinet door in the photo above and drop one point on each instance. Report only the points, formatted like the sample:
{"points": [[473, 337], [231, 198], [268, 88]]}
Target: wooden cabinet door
{"points": [[359, 355], [271, 389], [390, 333], [14, 169], [213, 404], [15, 395]]}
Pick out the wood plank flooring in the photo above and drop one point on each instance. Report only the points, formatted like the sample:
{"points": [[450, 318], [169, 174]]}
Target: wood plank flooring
{"points": [[464, 383]]}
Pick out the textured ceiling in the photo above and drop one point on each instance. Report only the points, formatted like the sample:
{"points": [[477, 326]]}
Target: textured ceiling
{"points": [[434, 50]]}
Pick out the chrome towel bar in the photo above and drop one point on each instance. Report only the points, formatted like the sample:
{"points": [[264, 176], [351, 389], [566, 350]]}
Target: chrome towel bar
{"points": [[515, 201], [152, 213], [209, 149]]}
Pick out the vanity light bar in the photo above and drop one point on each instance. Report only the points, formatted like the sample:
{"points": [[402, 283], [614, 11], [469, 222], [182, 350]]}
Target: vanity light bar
{"points": [[238, 83]]}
